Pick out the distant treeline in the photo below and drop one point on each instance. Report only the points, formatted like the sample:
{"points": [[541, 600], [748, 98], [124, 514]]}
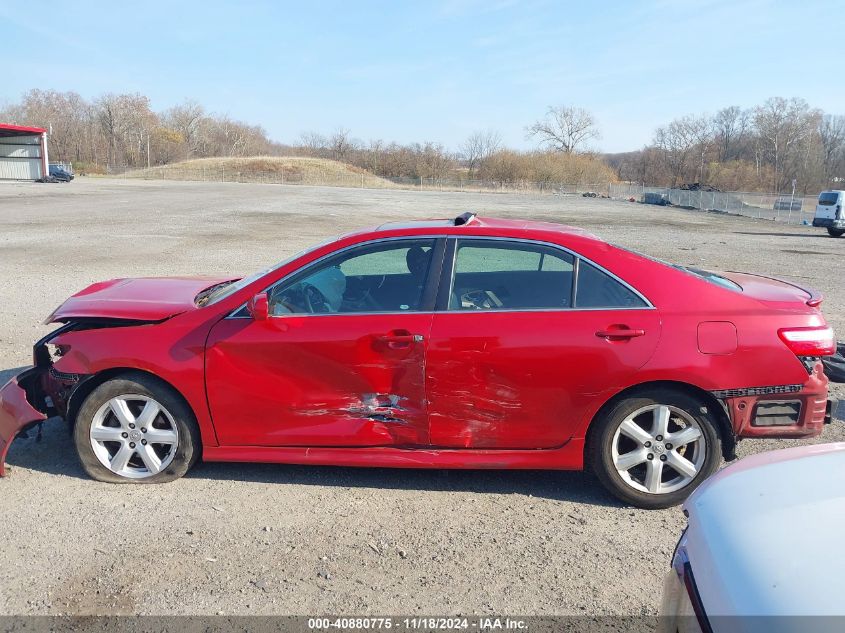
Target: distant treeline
{"points": [[122, 130], [481, 157], [758, 149], [761, 148]]}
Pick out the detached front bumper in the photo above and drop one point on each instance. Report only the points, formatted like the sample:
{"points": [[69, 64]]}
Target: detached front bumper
{"points": [[784, 411], [16, 412]]}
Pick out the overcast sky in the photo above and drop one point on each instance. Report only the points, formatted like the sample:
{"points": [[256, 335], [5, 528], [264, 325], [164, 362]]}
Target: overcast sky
{"points": [[416, 71]]}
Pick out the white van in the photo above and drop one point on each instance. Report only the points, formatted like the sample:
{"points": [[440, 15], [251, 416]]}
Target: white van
{"points": [[829, 213]]}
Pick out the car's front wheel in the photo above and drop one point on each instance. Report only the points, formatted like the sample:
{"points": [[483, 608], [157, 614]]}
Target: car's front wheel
{"points": [[836, 232], [135, 429], [653, 449]]}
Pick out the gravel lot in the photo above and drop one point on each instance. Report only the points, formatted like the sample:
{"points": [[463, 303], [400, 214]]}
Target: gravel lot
{"points": [[265, 539]]}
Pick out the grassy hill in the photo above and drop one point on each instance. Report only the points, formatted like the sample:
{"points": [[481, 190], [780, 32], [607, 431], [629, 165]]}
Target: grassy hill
{"points": [[271, 169]]}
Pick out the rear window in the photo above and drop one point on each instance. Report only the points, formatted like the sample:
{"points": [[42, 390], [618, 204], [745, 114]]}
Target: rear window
{"points": [[706, 275], [713, 278], [828, 198]]}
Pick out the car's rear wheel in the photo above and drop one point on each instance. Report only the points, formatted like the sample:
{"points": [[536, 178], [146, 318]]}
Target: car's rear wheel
{"points": [[135, 429], [836, 232], [653, 449]]}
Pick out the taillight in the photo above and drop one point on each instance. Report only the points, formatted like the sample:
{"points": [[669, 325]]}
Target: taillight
{"points": [[809, 341]]}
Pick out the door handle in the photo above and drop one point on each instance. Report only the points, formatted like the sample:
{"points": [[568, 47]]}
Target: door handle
{"points": [[400, 340], [621, 333]]}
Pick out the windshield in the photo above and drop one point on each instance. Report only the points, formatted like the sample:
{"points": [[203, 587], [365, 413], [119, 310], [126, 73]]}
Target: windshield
{"points": [[828, 198], [212, 295]]}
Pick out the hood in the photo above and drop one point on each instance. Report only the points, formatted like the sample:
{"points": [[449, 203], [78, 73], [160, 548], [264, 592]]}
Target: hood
{"points": [[760, 532], [142, 299], [773, 290]]}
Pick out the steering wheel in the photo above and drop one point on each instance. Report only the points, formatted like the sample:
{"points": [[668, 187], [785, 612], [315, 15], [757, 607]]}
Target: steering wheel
{"points": [[363, 300], [480, 300], [315, 301]]}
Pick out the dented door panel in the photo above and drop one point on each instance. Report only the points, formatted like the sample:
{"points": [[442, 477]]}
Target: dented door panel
{"points": [[328, 380], [528, 379]]}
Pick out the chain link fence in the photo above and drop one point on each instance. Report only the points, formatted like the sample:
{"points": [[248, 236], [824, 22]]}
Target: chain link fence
{"points": [[502, 186], [767, 206]]}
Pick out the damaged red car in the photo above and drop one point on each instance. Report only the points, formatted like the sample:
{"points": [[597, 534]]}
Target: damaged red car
{"points": [[465, 343]]}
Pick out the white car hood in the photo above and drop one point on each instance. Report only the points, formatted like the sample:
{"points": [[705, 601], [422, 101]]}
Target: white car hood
{"points": [[765, 534]]}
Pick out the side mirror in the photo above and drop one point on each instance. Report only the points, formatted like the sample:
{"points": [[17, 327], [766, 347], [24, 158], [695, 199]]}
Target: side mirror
{"points": [[259, 307]]}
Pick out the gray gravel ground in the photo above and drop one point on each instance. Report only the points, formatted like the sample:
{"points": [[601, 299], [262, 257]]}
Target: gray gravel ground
{"points": [[245, 538]]}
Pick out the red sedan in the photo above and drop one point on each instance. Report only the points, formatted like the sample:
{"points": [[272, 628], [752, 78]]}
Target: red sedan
{"points": [[467, 343]]}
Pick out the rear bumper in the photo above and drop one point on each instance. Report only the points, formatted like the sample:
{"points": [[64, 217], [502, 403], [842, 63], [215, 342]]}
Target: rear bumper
{"points": [[829, 223], [16, 413], [788, 411]]}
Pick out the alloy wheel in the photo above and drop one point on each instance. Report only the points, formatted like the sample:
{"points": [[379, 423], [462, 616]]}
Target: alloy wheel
{"points": [[134, 436], [658, 449]]}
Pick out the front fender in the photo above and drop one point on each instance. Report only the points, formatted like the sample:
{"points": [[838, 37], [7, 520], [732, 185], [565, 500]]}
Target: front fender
{"points": [[172, 351]]}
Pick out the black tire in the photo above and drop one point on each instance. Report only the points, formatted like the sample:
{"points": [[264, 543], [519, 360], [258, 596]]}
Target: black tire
{"points": [[187, 449], [834, 366], [603, 437], [836, 232]]}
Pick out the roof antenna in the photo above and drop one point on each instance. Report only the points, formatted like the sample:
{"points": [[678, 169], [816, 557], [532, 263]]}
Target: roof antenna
{"points": [[464, 218]]}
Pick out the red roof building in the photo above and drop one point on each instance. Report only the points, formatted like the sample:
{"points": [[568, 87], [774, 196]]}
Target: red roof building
{"points": [[23, 152]]}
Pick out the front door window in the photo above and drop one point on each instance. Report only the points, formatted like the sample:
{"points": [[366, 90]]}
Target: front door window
{"points": [[382, 277]]}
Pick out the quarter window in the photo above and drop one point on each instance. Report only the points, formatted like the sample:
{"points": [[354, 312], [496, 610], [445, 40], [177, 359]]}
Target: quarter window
{"points": [[500, 275], [597, 289]]}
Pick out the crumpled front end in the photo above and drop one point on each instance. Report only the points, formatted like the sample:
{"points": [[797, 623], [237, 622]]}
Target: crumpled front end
{"points": [[17, 413], [36, 394]]}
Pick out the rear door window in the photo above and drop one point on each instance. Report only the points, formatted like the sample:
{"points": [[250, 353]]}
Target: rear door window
{"points": [[828, 198], [510, 275]]}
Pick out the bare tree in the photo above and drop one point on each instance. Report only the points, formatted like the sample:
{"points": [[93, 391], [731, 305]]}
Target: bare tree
{"points": [[373, 157], [340, 144], [700, 130], [784, 126], [227, 137], [432, 160], [126, 121], [479, 147], [832, 139], [313, 143], [564, 128], [186, 119], [731, 126], [676, 143]]}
